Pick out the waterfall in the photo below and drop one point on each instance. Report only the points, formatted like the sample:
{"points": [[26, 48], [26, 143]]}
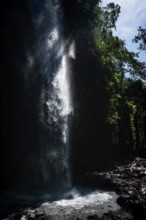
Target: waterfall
{"points": [[37, 85], [55, 105]]}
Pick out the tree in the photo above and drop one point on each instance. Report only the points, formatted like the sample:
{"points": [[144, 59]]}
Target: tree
{"points": [[141, 38], [119, 61], [135, 96]]}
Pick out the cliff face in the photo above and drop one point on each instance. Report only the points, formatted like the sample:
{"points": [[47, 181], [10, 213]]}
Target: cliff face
{"points": [[25, 71], [90, 95], [25, 66], [17, 37]]}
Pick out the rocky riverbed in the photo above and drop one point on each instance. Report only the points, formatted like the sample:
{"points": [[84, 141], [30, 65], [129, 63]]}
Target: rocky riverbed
{"points": [[125, 199], [76, 204], [129, 182]]}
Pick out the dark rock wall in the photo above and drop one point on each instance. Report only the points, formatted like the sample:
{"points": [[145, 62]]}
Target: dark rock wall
{"points": [[24, 69], [17, 121]]}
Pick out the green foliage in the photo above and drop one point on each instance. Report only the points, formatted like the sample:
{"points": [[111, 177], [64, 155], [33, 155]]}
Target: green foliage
{"points": [[135, 94], [141, 38], [110, 15], [116, 58], [115, 53], [132, 109], [107, 102], [113, 117]]}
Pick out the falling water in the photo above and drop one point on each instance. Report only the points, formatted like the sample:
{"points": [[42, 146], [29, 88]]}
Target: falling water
{"points": [[56, 106], [61, 98]]}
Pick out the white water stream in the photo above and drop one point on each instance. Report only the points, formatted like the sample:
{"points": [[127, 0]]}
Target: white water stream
{"points": [[75, 204]]}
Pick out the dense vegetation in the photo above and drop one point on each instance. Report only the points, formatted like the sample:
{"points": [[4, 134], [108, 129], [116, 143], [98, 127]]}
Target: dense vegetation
{"points": [[109, 88]]}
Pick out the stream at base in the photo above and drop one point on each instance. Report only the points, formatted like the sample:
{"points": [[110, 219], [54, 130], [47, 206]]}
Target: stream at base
{"points": [[79, 203]]}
